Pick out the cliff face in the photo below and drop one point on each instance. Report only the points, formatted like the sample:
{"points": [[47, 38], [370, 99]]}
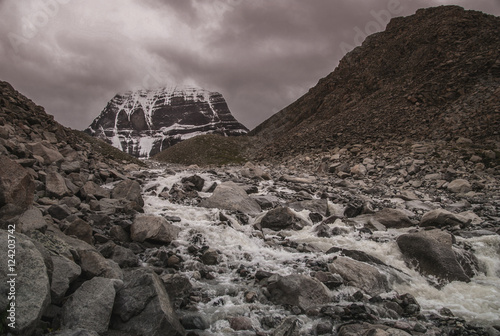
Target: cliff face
{"points": [[145, 122], [434, 75]]}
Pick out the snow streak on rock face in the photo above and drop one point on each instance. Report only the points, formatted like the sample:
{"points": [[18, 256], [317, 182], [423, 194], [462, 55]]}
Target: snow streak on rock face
{"points": [[145, 122]]}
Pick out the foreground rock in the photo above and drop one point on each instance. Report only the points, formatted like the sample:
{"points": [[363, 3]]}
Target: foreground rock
{"points": [[32, 288], [143, 306], [91, 305]]}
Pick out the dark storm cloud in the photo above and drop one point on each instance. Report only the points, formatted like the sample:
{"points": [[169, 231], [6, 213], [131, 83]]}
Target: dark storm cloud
{"points": [[72, 56]]}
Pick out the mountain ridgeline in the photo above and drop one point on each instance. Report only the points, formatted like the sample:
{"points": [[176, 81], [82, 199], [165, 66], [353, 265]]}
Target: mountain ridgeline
{"points": [[145, 122], [434, 75]]}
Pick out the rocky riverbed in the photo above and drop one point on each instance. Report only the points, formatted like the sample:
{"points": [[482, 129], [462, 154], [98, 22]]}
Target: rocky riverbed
{"points": [[274, 250], [380, 238]]}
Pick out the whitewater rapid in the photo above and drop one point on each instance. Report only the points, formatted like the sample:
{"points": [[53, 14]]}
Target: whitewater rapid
{"points": [[241, 246]]}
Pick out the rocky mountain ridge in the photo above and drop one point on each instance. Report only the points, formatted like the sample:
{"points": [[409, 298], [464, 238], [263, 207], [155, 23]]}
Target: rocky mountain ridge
{"points": [[434, 75], [145, 122]]}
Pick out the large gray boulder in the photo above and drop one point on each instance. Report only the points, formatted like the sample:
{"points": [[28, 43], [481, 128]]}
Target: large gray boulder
{"points": [[153, 228], [298, 290], [32, 288], [282, 219], [64, 273], [230, 196], [431, 253], [91, 305], [360, 275], [143, 306]]}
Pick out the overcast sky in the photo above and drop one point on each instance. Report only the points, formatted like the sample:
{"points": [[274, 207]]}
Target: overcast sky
{"points": [[73, 56]]}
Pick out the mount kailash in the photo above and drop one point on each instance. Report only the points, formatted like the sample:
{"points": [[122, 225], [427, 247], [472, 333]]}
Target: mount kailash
{"points": [[145, 122]]}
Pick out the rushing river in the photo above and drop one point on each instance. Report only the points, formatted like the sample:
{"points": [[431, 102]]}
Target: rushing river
{"points": [[242, 247]]}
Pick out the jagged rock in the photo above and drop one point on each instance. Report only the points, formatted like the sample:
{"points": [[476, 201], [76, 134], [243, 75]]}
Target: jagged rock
{"points": [[431, 252], [91, 189], [230, 196], [32, 288], [153, 228], [360, 275], [298, 290], [55, 185], [129, 190], [441, 218], [16, 185], [178, 287], [145, 122], [32, 219], [119, 233], [49, 155], [318, 205], [71, 167], [91, 305], [266, 201], [330, 280], [81, 230], [459, 186], [124, 257], [65, 272], [142, 306], [282, 219], [59, 211]]}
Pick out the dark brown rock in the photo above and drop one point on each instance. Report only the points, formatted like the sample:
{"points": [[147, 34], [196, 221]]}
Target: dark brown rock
{"points": [[16, 184], [431, 252], [281, 219]]}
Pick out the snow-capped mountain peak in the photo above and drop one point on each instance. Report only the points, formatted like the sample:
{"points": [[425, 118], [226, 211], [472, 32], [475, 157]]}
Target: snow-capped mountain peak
{"points": [[145, 122]]}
